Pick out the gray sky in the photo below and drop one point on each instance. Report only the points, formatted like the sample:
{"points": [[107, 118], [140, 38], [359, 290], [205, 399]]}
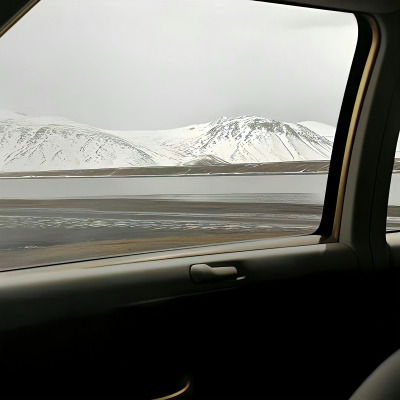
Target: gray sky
{"points": [[161, 64]]}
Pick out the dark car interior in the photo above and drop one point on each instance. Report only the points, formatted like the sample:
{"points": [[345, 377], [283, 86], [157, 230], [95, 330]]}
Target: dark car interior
{"points": [[298, 318]]}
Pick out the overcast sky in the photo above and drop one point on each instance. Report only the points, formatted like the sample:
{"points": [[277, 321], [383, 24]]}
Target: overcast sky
{"points": [[161, 64]]}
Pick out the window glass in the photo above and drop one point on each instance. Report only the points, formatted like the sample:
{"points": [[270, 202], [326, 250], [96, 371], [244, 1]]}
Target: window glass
{"points": [[133, 126], [393, 215]]}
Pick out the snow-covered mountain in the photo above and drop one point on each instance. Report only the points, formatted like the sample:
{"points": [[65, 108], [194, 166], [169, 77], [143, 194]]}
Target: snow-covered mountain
{"points": [[253, 139], [38, 144], [29, 143]]}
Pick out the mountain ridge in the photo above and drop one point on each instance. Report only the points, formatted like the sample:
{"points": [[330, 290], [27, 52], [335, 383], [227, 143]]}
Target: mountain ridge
{"points": [[30, 143]]}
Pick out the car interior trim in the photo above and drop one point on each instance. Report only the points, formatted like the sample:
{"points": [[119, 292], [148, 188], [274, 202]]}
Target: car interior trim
{"points": [[354, 122], [361, 53], [128, 284], [393, 242], [171, 396], [28, 6]]}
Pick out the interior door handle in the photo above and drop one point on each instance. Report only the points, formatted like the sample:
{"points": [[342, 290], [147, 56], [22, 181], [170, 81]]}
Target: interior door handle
{"points": [[203, 273]]}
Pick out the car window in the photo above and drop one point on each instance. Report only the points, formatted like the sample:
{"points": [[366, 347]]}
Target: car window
{"points": [[133, 126], [393, 214]]}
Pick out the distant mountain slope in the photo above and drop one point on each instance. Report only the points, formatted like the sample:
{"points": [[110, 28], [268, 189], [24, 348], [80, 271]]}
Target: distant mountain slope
{"points": [[206, 160], [254, 139], [325, 130], [29, 143]]}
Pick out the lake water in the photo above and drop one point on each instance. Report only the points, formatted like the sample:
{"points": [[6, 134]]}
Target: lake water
{"points": [[166, 186], [306, 188]]}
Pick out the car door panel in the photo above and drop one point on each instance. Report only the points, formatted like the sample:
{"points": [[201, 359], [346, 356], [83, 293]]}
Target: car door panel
{"points": [[291, 337], [85, 291]]}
